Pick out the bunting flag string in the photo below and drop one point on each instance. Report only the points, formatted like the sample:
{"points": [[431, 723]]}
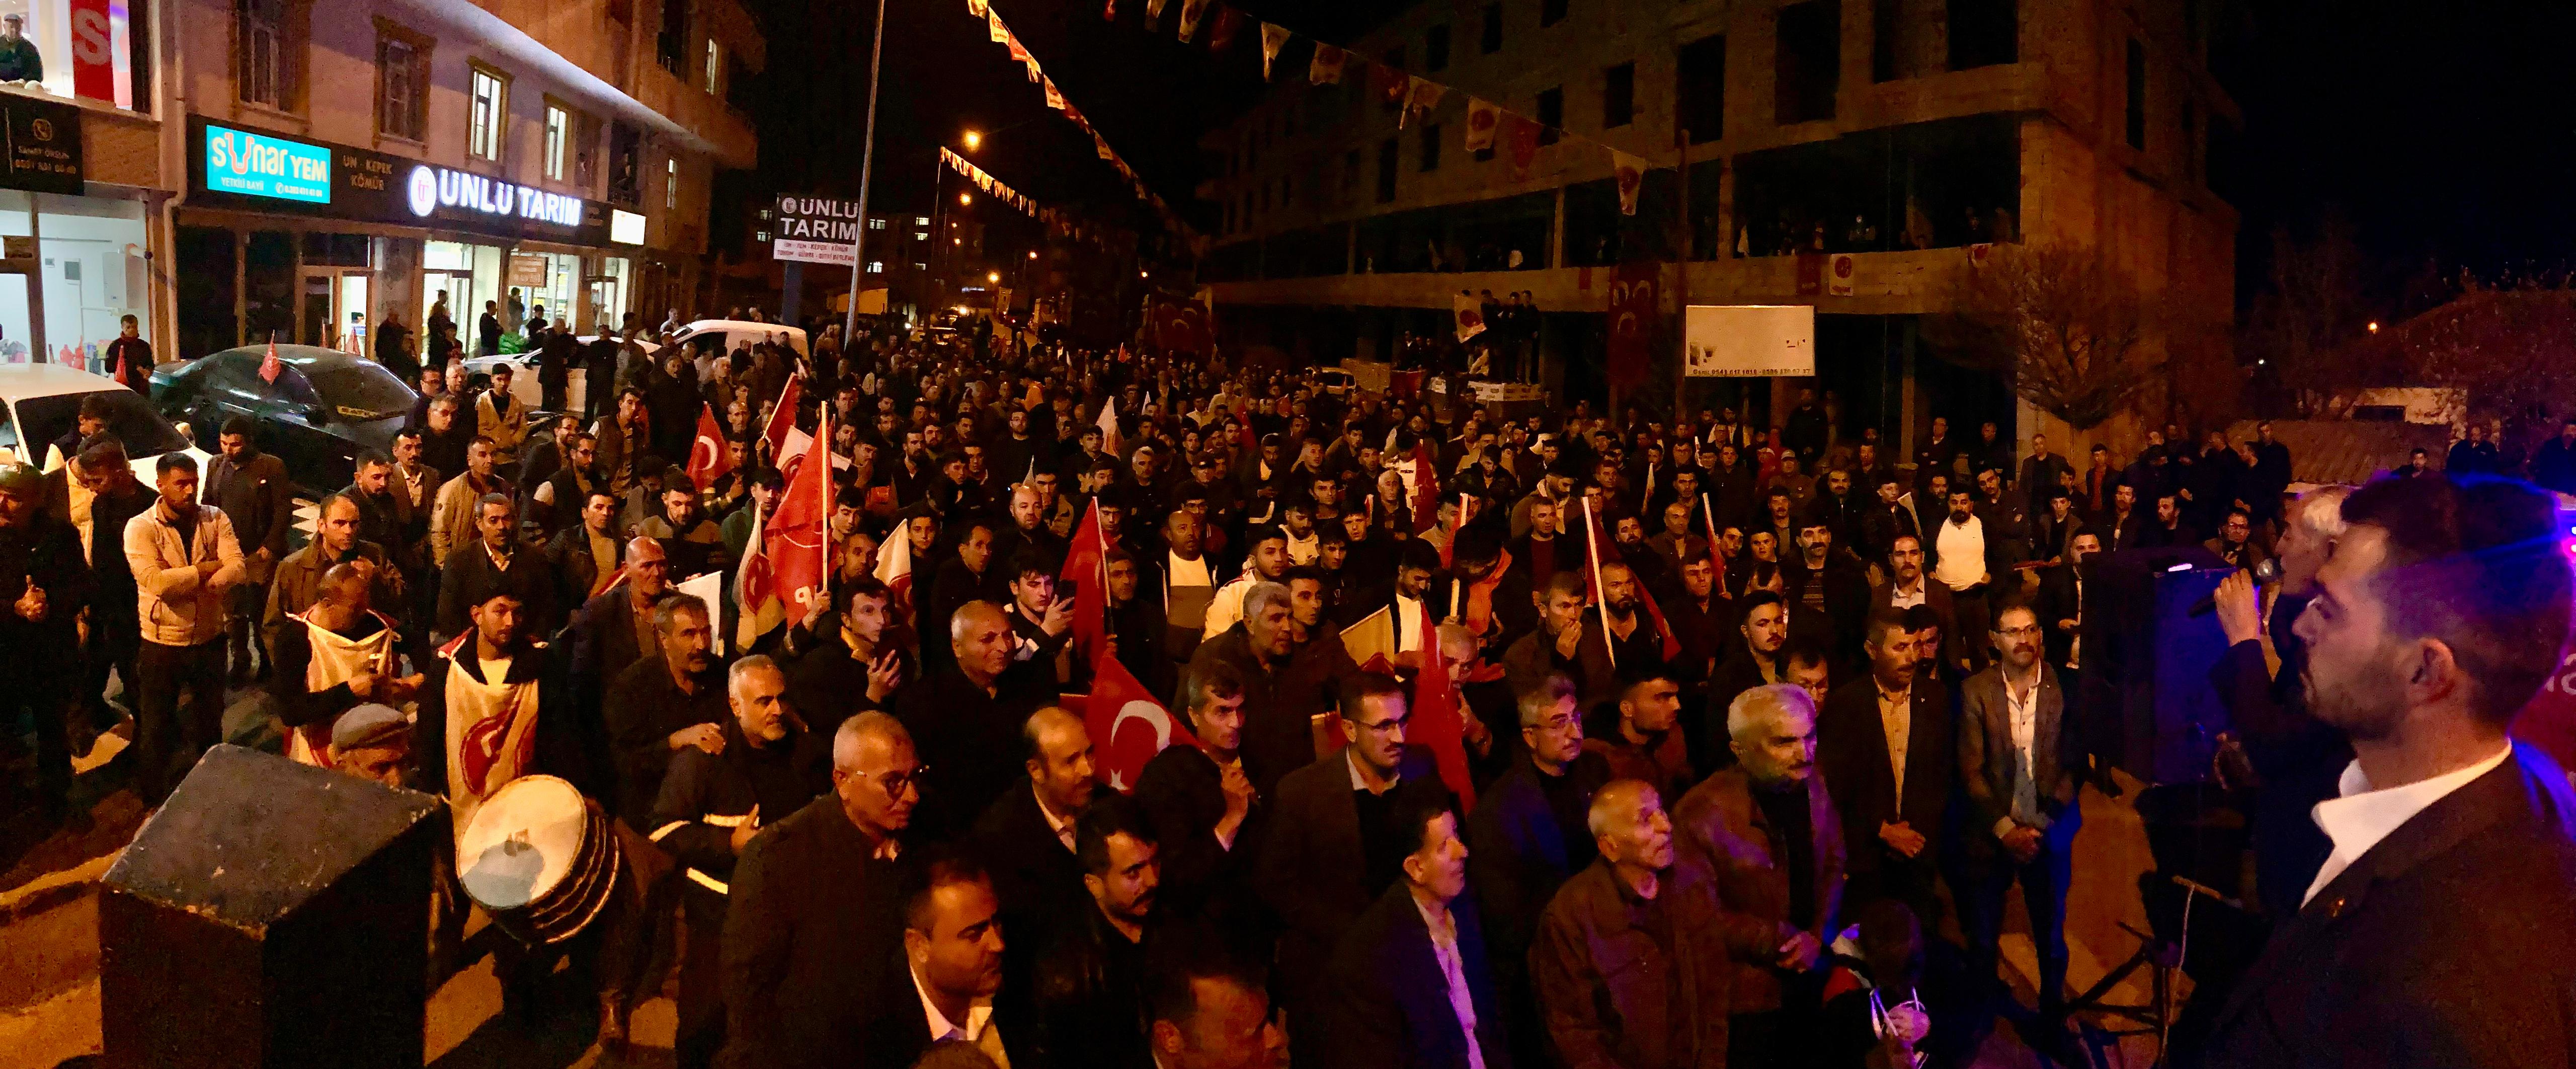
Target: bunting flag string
{"points": [[1001, 34], [1228, 23], [1190, 12], [1326, 68], [1273, 38]]}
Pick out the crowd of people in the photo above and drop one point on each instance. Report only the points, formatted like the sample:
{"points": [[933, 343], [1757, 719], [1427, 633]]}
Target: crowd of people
{"points": [[1757, 730]]}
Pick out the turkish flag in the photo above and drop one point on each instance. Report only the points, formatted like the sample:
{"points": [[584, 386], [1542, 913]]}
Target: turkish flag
{"points": [[1636, 301], [1436, 722], [894, 567], [783, 421], [1426, 486], [1127, 726], [1482, 119], [1520, 142], [794, 538], [270, 367], [1606, 551], [1085, 567], [1628, 173], [707, 459]]}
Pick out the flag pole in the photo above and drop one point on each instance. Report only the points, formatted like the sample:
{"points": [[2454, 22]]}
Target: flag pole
{"points": [[867, 165], [1592, 544]]}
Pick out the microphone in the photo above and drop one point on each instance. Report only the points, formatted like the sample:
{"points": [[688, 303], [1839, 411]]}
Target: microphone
{"points": [[2265, 571]]}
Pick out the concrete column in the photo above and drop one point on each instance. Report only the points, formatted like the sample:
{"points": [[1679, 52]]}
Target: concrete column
{"points": [[1556, 232]]}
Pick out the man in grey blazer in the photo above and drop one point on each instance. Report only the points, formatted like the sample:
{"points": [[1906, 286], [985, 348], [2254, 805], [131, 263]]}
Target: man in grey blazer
{"points": [[2020, 780]]}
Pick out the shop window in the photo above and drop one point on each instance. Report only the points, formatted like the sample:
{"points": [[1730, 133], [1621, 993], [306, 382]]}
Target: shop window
{"points": [[1491, 39], [1618, 95], [1435, 48], [335, 250], [402, 88], [558, 133], [205, 292], [1551, 114], [1809, 61], [263, 52], [487, 114], [1700, 89]]}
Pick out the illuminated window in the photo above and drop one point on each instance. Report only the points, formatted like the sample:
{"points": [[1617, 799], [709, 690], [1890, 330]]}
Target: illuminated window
{"points": [[715, 67], [558, 132], [402, 84], [671, 183], [487, 115]]}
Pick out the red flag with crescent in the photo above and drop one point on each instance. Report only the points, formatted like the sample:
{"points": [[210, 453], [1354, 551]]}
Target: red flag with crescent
{"points": [[793, 537], [269, 367], [707, 459], [783, 420], [1127, 726]]}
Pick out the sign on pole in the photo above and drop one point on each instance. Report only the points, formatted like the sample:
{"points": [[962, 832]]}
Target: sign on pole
{"points": [[815, 230], [1749, 341]]}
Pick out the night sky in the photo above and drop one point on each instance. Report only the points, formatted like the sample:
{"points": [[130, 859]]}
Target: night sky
{"points": [[2443, 130]]}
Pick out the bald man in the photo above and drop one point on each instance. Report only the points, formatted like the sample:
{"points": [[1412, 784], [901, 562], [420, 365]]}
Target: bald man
{"points": [[814, 918], [969, 714], [710, 807], [1623, 933], [615, 627], [334, 656], [1777, 907], [1025, 839]]}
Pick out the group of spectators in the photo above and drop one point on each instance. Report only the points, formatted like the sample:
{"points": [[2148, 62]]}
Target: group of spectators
{"points": [[1757, 732]]}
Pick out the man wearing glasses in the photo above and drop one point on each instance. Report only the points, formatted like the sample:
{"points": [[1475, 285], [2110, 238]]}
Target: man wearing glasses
{"points": [[1526, 837], [2020, 778], [814, 912]]}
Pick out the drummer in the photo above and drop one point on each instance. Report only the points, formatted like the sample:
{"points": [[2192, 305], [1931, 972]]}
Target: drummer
{"points": [[492, 707], [331, 657], [711, 805]]}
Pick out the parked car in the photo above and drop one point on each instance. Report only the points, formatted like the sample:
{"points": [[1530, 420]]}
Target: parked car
{"points": [[324, 408], [40, 404]]}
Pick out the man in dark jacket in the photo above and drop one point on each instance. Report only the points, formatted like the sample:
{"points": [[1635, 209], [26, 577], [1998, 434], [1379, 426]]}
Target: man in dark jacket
{"points": [[1025, 839], [1277, 734], [813, 933], [1527, 836], [709, 808], [1332, 847], [1412, 987], [662, 705], [251, 488], [1625, 967], [1892, 822], [851, 661], [1088, 997], [101, 485], [495, 561], [2442, 929], [968, 714], [47, 584], [587, 553], [1205, 815]]}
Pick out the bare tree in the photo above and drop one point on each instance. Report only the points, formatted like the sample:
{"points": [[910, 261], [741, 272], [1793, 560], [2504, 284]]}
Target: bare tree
{"points": [[2064, 324], [2512, 352], [2311, 308]]}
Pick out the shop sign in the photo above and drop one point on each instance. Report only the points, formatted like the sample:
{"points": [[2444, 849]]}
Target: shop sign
{"points": [[44, 142], [257, 165], [527, 269], [239, 169], [814, 230], [625, 227]]}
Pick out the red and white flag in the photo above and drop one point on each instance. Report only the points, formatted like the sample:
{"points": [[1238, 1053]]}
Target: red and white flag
{"points": [[753, 586], [1426, 486], [270, 367], [1127, 725], [1470, 313], [1483, 118], [894, 567], [1629, 174], [1602, 550], [1229, 22], [1273, 38], [783, 421], [1326, 67], [1436, 721], [1109, 442], [796, 540], [1191, 10], [1086, 567], [708, 461]]}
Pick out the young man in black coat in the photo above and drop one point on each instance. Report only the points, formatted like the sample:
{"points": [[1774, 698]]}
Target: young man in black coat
{"points": [[1407, 964], [1201, 804], [48, 585]]}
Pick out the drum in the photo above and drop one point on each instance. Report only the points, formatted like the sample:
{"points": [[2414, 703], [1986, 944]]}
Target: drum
{"points": [[539, 858]]}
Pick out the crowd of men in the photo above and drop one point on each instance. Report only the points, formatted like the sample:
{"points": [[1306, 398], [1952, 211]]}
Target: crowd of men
{"points": [[1758, 732]]}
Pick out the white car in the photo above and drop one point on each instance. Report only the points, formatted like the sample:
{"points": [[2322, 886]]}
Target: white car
{"points": [[40, 407], [708, 336]]}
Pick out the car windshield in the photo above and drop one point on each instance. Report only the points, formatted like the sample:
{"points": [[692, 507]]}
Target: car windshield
{"points": [[129, 417], [361, 391]]}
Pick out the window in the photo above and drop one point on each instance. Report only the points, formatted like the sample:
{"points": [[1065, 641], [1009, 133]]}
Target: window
{"points": [[1490, 40], [402, 81], [921, 220], [876, 224], [876, 267], [487, 115], [1983, 33], [1886, 34], [671, 183], [1551, 114], [1386, 171], [585, 152], [1618, 95], [263, 52], [1435, 48], [1809, 61], [671, 43], [558, 134], [1551, 12], [2137, 94], [1699, 89], [1431, 146], [715, 68]]}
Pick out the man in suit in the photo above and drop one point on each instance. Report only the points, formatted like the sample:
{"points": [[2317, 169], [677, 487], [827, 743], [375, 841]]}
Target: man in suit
{"points": [[812, 934], [2060, 603], [2018, 765], [1908, 586], [1332, 845], [2442, 929], [1411, 984], [969, 714], [1278, 737], [1888, 748], [1089, 989], [1526, 838], [493, 558], [1026, 840], [1762, 840]]}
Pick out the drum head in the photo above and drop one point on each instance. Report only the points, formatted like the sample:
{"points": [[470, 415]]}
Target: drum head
{"points": [[522, 842]]}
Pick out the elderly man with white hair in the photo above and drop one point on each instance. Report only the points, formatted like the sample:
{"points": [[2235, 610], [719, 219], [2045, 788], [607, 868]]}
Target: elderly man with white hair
{"points": [[1764, 840], [710, 806], [2297, 757]]}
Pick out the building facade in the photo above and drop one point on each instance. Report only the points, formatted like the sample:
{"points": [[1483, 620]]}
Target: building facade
{"points": [[341, 163], [1903, 132]]}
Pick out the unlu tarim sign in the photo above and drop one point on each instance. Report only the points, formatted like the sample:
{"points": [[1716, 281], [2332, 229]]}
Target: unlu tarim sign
{"points": [[814, 230]]}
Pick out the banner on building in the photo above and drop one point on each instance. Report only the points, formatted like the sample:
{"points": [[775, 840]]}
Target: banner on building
{"points": [[1838, 274], [1636, 306], [1749, 341]]}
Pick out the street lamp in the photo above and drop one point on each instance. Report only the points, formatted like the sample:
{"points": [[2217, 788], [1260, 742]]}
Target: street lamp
{"points": [[993, 277], [1033, 254], [973, 140], [965, 199]]}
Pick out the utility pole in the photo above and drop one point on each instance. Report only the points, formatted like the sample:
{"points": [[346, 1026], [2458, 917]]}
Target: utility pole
{"points": [[867, 161]]}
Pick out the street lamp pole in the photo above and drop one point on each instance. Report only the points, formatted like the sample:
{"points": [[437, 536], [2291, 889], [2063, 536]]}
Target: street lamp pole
{"points": [[867, 161]]}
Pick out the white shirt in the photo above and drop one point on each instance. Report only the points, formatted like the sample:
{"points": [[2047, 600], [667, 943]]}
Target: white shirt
{"points": [[1225, 608], [1898, 599], [1444, 948], [2359, 817], [977, 1030], [2023, 714], [1896, 718], [1183, 572], [1408, 624], [1963, 553], [82, 500], [1062, 826], [1304, 550]]}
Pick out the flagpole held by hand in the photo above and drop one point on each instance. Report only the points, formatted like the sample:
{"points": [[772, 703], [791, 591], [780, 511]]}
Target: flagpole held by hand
{"points": [[1592, 544]]}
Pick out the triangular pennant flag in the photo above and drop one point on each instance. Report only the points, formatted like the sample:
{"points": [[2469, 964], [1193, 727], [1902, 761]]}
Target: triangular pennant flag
{"points": [[1482, 117], [1153, 12], [1420, 96], [1228, 22], [993, 24], [1054, 99], [978, 8], [1110, 12], [1389, 82], [1101, 145], [1326, 68], [1436, 723], [1628, 173], [1034, 73], [1190, 12], [269, 366], [1520, 143], [1273, 38]]}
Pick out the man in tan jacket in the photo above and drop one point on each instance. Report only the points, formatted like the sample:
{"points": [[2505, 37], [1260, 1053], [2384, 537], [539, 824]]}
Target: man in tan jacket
{"points": [[185, 562]]}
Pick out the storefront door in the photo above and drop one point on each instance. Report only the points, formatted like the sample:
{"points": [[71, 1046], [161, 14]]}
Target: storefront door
{"points": [[331, 309]]}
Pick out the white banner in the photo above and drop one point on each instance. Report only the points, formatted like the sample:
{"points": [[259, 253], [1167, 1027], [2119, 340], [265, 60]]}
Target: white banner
{"points": [[1750, 341], [811, 252]]}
